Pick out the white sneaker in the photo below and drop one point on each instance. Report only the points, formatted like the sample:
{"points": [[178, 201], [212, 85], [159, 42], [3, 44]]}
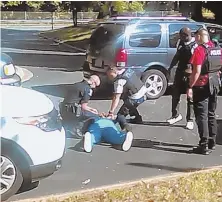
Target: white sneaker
{"points": [[190, 125], [88, 142], [128, 141], [173, 120]]}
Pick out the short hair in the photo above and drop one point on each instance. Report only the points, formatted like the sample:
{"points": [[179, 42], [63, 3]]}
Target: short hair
{"points": [[201, 31]]}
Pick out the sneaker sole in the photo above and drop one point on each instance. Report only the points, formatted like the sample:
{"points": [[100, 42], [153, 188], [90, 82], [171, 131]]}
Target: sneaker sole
{"points": [[128, 141], [88, 142], [189, 128], [173, 122]]}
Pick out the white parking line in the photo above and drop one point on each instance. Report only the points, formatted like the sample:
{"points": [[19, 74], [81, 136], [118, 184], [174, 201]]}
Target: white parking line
{"points": [[40, 52]]}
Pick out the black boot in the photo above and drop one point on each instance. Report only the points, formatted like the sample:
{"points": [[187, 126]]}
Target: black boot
{"points": [[202, 149], [212, 144]]}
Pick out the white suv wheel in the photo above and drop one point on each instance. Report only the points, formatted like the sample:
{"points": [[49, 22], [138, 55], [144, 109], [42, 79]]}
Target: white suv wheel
{"points": [[8, 174]]}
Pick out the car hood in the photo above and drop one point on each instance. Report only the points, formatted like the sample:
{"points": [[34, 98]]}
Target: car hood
{"points": [[23, 102]]}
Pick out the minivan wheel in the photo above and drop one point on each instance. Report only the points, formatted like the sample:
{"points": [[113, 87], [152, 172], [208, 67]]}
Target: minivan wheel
{"points": [[11, 177], [156, 83]]}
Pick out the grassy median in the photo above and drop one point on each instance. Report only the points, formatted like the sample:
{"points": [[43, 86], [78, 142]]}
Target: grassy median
{"points": [[201, 186], [71, 33]]}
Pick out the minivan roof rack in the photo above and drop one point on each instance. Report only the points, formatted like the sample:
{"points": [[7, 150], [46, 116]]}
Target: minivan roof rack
{"points": [[151, 18], [149, 14]]}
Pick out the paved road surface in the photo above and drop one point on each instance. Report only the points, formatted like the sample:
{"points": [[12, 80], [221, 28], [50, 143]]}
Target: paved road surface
{"points": [[157, 149]]}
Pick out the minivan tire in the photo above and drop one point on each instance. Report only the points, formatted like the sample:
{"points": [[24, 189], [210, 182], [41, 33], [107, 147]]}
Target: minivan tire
{"points": [[17, 182], [152, 78]]}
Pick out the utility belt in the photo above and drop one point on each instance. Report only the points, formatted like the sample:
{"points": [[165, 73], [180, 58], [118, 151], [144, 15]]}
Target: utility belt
{"points": [[74, 108]]}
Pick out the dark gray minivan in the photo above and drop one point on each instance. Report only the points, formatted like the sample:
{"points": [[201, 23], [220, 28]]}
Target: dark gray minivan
{"points": [[147, 46]]}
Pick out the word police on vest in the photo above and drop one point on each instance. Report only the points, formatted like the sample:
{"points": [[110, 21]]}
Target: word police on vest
{"points": [[215, 52]]}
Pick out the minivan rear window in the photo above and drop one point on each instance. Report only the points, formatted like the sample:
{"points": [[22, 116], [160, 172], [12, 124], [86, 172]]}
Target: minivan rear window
{"points": [[107, 33], [174, 32]]}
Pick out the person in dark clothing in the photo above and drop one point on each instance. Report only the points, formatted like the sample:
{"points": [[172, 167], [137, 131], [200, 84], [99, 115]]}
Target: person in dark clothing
{"points": [[126, 81], [185, 49], [74, 108], [203, 88]]}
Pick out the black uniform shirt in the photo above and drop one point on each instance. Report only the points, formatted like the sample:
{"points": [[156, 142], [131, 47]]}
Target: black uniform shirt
{"points": [[79, 93], [185, 51]]}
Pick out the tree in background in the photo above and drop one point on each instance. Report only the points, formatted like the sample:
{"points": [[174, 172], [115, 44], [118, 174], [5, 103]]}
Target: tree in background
{"points": [[215, 7]]}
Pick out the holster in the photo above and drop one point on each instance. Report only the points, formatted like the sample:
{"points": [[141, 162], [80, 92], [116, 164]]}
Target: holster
{"points": [[70, 107]]}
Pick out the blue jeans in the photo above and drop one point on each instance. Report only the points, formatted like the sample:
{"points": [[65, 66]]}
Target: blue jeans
{"points": [[105, 130]]}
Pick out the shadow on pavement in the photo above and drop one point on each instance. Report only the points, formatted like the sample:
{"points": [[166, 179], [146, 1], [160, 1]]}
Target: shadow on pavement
{"points": [[163, 146], [161, 123], [78, 147], [32, 186], [163, 167]]}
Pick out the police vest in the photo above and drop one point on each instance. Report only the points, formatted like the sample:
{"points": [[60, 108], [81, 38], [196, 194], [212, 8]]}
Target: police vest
{"points": [[185, 51], [133, 82], [213, 59]]}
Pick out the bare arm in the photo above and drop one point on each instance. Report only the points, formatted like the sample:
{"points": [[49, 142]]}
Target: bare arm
{"points": [[195, 75], [115, 102], [85, 107]]}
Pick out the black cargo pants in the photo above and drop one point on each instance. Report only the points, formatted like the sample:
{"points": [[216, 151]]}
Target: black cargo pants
{"points": [[129, 107], [205, 103], [179, 87]]}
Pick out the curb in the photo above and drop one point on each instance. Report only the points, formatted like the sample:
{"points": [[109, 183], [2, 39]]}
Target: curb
{"points": [[61, 42], [120, 185], [24, 74]]}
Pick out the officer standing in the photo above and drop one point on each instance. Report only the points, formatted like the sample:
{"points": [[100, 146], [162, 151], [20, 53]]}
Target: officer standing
{"points": [[185, 49], [204, 86], [126, 80]]}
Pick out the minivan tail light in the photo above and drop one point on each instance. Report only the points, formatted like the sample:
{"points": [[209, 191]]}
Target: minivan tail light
{"points": [[121, 58]]}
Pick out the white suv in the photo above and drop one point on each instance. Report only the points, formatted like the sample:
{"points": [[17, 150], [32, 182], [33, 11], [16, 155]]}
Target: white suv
{"points": [[32, 138]]}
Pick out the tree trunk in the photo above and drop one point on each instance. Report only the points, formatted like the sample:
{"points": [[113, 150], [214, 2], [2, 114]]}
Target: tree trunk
{"points": [[197, 14], [74, 17]]}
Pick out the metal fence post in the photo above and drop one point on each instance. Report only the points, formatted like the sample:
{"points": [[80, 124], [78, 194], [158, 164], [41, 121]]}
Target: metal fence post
{"points": [[52, 16]]}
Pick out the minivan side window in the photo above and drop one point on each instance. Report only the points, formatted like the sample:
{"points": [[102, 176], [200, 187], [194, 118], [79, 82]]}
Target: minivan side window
{"points": [[148, 35], [174, 32]]}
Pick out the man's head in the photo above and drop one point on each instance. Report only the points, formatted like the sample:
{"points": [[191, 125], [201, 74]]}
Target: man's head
{"points": [[202, 36], [94, 81], [112, 73], [185, 34]]}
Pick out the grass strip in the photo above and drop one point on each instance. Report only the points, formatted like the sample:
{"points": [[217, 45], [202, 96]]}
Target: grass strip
{"points": [[71, 33], [200, 186]]}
